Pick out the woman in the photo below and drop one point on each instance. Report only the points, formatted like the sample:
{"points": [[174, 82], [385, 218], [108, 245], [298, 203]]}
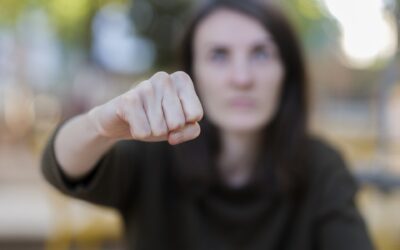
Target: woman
{"points": [[253, 179]]}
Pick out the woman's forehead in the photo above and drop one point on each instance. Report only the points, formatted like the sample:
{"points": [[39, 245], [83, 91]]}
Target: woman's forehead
{"points": [[230, 27]]}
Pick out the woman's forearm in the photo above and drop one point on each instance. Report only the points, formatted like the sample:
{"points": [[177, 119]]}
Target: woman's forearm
{"points": [[78, 146]]}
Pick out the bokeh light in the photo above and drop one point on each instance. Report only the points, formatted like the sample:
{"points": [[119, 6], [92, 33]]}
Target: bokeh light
{"points": [[368, 30]]}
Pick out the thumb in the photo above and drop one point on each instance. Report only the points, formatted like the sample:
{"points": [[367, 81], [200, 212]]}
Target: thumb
{"points": [[189, 132]]}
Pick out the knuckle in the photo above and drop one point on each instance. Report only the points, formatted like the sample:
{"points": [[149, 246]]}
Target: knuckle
{"points": [[159, 132], [160, 128], [142, 135], [165, 88], [147, 90], [173, 126], [182, 76], [130, 98], [161, 81], [196, 116], [160, 76], [181, 121], [183, 79], [176, 124]]}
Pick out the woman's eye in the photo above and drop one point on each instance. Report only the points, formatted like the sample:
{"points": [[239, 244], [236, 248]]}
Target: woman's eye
{"points": [[219, 55], [261, 55]]}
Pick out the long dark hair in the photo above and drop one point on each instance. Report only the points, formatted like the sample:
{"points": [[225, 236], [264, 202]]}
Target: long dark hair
{"points": [[285, 136]]}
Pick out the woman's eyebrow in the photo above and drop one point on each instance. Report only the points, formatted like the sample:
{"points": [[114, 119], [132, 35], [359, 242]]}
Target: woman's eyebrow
{"points": [[261, 46], [264, 44], [215, 45]]}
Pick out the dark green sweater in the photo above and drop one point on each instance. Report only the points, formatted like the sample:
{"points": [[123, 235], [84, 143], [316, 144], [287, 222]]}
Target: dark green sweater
{"points": [[137, 179]]}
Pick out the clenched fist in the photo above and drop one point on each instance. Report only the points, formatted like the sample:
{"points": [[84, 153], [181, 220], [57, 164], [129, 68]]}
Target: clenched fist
{"points": [[165, 107]]}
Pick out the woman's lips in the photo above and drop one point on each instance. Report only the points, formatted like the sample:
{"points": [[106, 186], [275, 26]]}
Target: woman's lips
{"points": [[242, 103]]}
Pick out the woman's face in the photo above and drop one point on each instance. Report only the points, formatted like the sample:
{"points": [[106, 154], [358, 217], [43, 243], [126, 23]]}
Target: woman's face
{"points": [[237, 70]]}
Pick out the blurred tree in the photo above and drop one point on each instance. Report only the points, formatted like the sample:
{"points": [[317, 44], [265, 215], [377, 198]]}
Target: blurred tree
{"points": [[160, 21], [73, 18], [316, 30], [10, 10]]}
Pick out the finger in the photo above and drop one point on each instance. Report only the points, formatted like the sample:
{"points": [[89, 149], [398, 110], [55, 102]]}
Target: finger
{"points": [[152, 107], [133, 113], [190, 102], [189, 132], [170, 103], [172, 107]]}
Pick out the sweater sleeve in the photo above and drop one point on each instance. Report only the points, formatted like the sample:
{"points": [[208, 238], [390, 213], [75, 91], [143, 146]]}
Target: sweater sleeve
{"points": [[114, 178], [339, 225]]}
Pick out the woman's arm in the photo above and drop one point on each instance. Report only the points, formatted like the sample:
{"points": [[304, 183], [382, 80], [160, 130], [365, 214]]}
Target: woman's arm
{"points": [[79, 145], [164, 107], [93, 155]]}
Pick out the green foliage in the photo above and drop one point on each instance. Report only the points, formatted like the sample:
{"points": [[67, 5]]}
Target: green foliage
{"points": [[10, 10], [316, 29], [161, 21], [72, 18]]}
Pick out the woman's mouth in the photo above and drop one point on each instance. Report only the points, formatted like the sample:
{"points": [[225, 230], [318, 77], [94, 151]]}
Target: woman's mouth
{"points": [[242, 103]]}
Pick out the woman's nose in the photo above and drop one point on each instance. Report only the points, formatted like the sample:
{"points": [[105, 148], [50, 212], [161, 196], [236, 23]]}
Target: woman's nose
{"points": [[241, 76]]}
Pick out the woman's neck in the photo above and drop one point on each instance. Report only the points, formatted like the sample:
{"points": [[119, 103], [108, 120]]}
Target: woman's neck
{"points": [[238, 155]]}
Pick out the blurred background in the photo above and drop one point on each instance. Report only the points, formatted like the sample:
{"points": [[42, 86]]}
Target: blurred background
{"points": [[59, 58]]}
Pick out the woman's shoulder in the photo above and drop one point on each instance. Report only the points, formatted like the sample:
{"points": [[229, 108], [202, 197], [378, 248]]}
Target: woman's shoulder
{"points": [[322, 148], [324, 159], [331, 185]]}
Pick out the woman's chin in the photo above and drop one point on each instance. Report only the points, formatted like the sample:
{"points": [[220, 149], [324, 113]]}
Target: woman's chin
{"points": [[241, 125]]}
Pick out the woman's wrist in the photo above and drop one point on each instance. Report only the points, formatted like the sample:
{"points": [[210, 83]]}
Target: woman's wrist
{"points": [[94, 126]]}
